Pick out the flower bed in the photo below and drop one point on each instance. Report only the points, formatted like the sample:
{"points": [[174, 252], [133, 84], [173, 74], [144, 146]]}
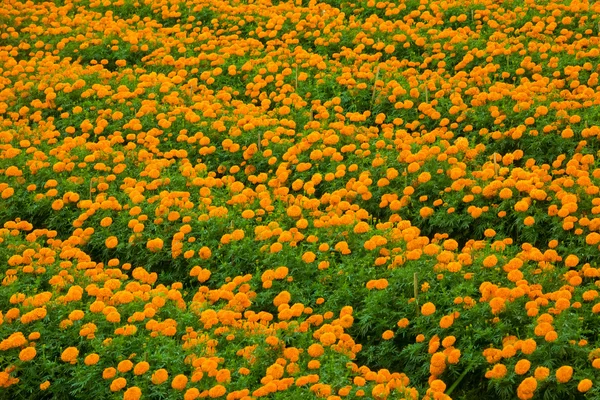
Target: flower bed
{"points": [[301, 199]]}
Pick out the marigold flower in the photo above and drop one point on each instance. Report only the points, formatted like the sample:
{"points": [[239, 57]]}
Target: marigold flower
{"points": [[179, 382], [315, 350], [361, 227], [427, 309], [27, 354], [446, 321], [109, 373], [159, 376], [132, 393], [387, 335], [438, 386], [309, 257], [497, 372], [282, 298], [564, 374], [541, 373], [154, 245], [584, 385], [205, 253], [527, 388], [70, 355], [191, 394], [118, 384], [571, 260], [217, 391], [522, 367], [111, 242], [91, 359], [528, 346], [125, 366], [141, 368], [328, 338]]}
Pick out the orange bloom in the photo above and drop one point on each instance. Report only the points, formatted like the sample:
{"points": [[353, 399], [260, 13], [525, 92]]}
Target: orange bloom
{"points": [[109, 373], [427, 309], [522, 367], [315, 350], [125, 366], [309, 257], [446, 321], [584, 385], [527, 388], [571, 261], [154, 245], [294, 211], [141, 368], [111, 242], [387, 335], [91, 359], [361, 227], [179, 382], [132, 393], [70, 355], [541, 373], [564, 374], [118, 384], [160, 376], [27, 354], [217, 391]]}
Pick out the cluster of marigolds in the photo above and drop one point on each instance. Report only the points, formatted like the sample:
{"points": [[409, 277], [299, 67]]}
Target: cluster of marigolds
{"points": [[292, 200]]}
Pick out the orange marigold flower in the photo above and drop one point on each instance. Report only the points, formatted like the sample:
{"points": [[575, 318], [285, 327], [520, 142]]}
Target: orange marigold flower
{"points": [[584, 385], [294, 211], [27, 354], [315, 350], [118, 384], [111, 242], [125, 366], [564, 374], [109, 373], [490, 261], [132, 393], [497, 372], [522, 367], [70, 355], [403, 323], [541, 373], [427, 309], [309, 257], [91, 359], [154, 245], [282, 298], [328, 338], [179, 382], [205, 253], [571, 260], [526, 388], [446, 321], [387, 335], [141, 368], [217, 391], [160, 376], [437, 386], [528, 346], [361, 227]]}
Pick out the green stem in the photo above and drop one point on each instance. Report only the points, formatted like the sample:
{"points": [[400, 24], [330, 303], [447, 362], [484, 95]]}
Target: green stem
{"points": [[460, 378]]}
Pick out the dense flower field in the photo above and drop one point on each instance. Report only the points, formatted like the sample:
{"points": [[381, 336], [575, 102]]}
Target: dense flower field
{"points": [[337, 199]]}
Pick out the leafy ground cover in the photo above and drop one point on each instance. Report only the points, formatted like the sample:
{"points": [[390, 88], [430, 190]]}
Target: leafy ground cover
{"points": [[299, 199]]}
